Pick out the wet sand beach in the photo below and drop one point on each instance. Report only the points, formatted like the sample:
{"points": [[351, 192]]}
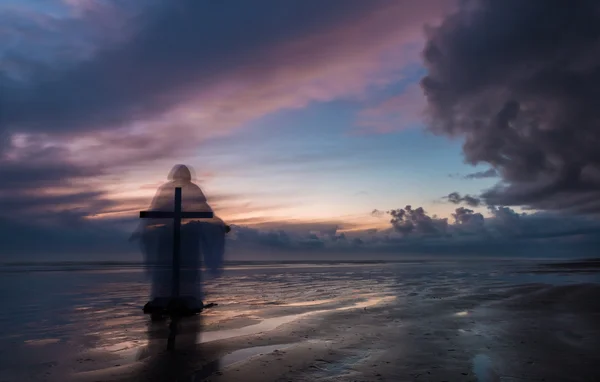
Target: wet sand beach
{"points": [[413, 321]]}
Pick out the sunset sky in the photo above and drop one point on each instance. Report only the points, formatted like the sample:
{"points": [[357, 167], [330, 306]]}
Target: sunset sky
{"points": [[310, 125]]}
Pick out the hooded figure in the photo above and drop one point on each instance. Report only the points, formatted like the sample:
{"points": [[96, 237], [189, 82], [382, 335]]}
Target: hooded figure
{"points": [[199, 237]]}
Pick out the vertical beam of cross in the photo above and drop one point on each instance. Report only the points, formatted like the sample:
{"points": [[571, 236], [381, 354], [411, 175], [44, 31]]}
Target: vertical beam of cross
{"points": [[176, 242]]}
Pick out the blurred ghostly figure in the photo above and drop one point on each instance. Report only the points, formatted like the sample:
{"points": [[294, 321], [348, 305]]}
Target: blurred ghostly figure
{"points": [[204, 237]]}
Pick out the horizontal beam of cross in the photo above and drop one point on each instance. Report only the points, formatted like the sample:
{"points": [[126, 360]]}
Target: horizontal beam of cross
{"points": [[171, 215]]}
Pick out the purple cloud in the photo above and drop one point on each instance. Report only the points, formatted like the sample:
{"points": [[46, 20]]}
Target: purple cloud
{"points": [[519, 81]]}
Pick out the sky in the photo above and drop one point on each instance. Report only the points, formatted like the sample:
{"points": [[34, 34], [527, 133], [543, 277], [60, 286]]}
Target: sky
{"points": [[338, 129]]}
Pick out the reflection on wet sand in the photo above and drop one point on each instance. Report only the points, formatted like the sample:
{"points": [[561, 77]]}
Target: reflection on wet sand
{"points": [[189, 359], [272, 323], [200, 353]]}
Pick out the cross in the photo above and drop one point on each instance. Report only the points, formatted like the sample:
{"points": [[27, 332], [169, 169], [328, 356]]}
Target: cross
{"points": [[176, 215]]}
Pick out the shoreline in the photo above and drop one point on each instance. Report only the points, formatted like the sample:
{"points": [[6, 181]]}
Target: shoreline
{"points": [[399, 260]]}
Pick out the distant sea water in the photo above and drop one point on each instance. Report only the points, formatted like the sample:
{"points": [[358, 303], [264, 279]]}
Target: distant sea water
{"points": [[66, 300], [64, 266]]}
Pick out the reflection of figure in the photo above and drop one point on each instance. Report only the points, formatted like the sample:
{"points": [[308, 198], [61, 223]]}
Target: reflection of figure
{"points": [[206, 237], [191, 361]]}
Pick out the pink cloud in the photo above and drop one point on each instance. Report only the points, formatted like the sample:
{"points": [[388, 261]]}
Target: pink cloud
{"points": [[341, 62], [334, 62], [399, 112]]}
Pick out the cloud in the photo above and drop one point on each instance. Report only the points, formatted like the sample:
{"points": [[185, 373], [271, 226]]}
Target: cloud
{"points": [[125, 84], [409, 221], [552, 232], [65, 237], [466, 217], [99, 87], [518, 81], [45, 202], [286, 241], [187, 54], [413, 232], [377, 213], [37, 180], [456, 198], [491, 173], [51, 207]]}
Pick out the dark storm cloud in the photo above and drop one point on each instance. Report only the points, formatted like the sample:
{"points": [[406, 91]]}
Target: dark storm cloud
{"points": [[520, 81], [510, 225], [176, 48]]}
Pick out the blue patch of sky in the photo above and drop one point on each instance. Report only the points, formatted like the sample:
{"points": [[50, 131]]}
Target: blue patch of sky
{"points": [[310, 151]]}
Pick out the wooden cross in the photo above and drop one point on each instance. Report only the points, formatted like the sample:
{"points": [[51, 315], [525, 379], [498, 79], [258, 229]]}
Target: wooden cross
{"points": [[176, 215]]}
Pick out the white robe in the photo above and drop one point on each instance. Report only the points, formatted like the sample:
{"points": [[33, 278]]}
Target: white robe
{"points": [[199, 238]]}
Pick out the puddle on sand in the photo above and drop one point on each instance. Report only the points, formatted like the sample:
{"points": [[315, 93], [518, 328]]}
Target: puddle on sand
{"points": [[310, 303], [272, 323], [245, 354], [483, 369], [341, 367], [263, 326]]}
